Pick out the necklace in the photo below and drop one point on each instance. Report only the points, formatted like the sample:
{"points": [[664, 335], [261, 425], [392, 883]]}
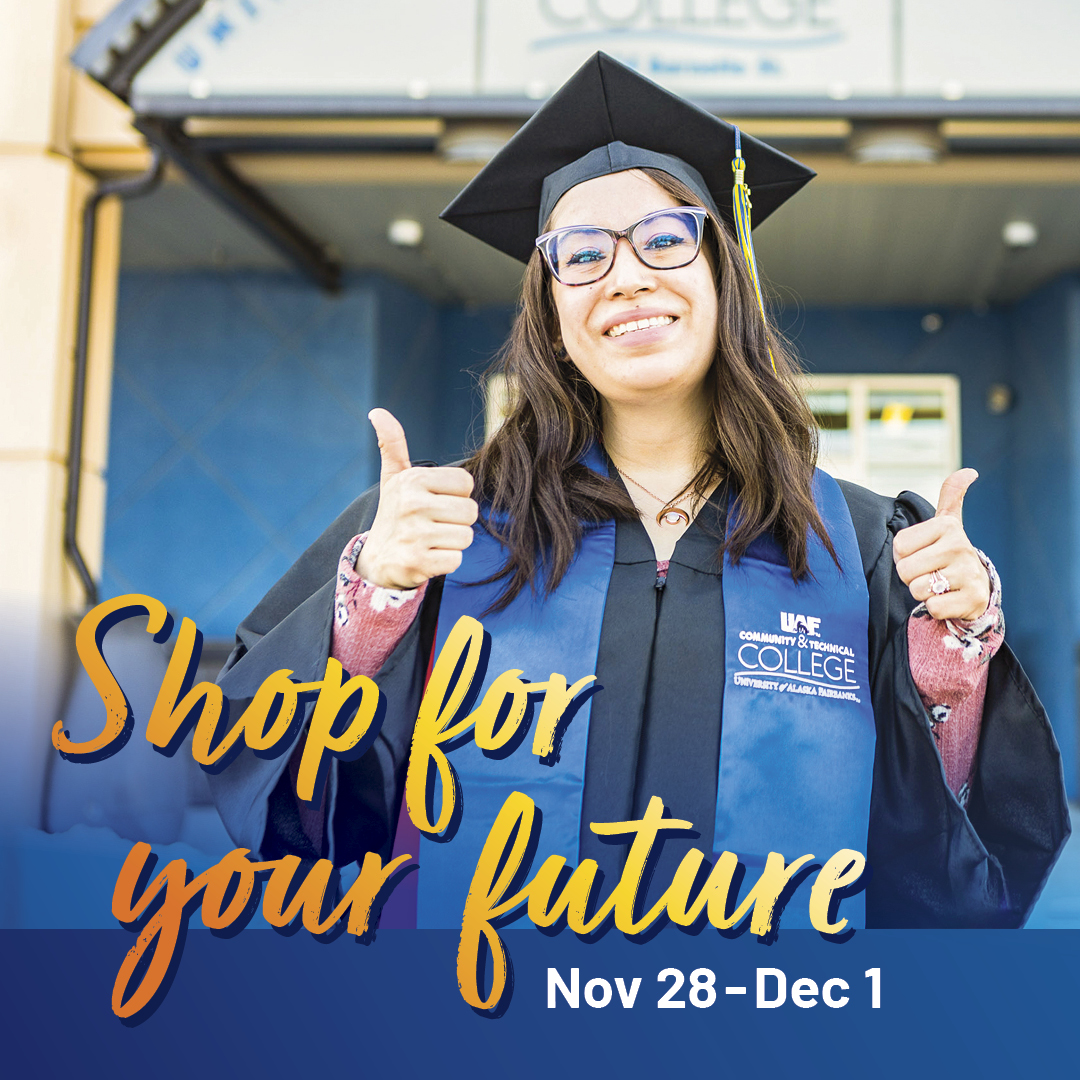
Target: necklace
{"points": [[670, 513]]}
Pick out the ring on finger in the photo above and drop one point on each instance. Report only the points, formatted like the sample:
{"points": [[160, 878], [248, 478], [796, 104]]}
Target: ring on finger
{"points": [[939, 583]]}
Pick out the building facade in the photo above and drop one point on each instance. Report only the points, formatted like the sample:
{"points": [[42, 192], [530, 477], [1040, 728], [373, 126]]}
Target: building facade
{"points": [[248, 311]]}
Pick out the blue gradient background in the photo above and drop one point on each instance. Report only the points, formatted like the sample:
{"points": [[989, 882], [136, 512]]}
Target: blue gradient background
{"points": [[953, 1003]]}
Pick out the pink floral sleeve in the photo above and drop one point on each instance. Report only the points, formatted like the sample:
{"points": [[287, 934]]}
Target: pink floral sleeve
{"points": [[948, 662], [368, 619]]}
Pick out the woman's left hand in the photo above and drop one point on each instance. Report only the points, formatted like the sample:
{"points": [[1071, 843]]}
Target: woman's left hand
{"points": [[941, 545]]}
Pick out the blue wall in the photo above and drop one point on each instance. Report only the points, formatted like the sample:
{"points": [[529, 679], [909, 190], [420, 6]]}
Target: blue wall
{"points": [[239, 425], [239, 431]]}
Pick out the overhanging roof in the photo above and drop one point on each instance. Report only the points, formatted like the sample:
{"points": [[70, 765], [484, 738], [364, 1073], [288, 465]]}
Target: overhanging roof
{"points": [[197, 71], [499, 58]]}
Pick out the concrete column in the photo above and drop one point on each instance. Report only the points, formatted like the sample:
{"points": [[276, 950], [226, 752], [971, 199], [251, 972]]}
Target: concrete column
{"points": [[41, 197]]}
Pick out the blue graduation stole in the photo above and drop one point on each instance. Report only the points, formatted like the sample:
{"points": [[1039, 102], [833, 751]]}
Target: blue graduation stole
{"points": [[798, 736], [796, 712]]}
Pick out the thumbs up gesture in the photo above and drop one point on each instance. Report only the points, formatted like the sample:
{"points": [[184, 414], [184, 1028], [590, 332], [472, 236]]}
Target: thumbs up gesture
{"points": [[425, 516], [936, 560]]}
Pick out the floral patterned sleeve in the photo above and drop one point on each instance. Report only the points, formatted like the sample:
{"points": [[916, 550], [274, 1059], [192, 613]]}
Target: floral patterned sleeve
{"points": [[948, 662], [368, 619]]}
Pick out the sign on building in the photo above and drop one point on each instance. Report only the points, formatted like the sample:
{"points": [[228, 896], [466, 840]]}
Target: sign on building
{"points": [[704, 49]]}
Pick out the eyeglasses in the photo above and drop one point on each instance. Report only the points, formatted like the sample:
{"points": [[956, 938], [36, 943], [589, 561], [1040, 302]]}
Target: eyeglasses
{"points": [[665, 240]]}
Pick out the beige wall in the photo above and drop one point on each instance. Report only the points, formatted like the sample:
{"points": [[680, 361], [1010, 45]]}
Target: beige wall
{"points": [[42, 191]]}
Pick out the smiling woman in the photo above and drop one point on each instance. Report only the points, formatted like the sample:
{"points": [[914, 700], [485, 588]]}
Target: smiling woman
{"points": [[641, 341], [640, 329], [786, 663], [674, 412]]}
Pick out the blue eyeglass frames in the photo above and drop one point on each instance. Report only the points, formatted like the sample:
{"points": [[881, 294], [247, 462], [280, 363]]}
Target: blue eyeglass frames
{"points": [[664, 240]]}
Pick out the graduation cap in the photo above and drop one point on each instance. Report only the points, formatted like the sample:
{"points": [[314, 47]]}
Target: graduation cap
{"points": [[607, 118]]}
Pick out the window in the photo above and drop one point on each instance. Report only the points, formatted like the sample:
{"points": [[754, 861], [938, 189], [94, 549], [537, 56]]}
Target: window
{"points": [[888, 432]]}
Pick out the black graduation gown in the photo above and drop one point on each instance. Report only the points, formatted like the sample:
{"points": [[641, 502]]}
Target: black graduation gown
{"points": [[656, 726]]}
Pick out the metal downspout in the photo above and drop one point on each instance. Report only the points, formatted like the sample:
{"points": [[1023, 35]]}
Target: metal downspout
{"points": [[124, 189]]}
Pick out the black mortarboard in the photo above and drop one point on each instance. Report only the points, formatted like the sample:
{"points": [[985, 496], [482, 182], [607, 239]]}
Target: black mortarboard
{"points": [[607, 118]]}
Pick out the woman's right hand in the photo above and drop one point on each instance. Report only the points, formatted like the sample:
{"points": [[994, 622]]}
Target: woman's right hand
{"points": [[425, 516]]}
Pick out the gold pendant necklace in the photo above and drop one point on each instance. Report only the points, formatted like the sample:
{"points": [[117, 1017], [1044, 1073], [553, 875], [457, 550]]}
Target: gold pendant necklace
{"points": [[670, 513]]}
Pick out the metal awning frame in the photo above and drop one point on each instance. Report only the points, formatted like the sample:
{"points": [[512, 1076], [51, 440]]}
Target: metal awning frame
{"points": [[205, 158], [117, 47], [114, 51], [209, 168]]}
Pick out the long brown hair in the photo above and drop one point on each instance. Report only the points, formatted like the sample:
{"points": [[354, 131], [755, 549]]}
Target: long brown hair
{"points": [[762, 439]]}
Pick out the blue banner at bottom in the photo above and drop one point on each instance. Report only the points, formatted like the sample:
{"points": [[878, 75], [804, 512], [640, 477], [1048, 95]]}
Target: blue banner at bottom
{"points": [[886, 1003]]}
